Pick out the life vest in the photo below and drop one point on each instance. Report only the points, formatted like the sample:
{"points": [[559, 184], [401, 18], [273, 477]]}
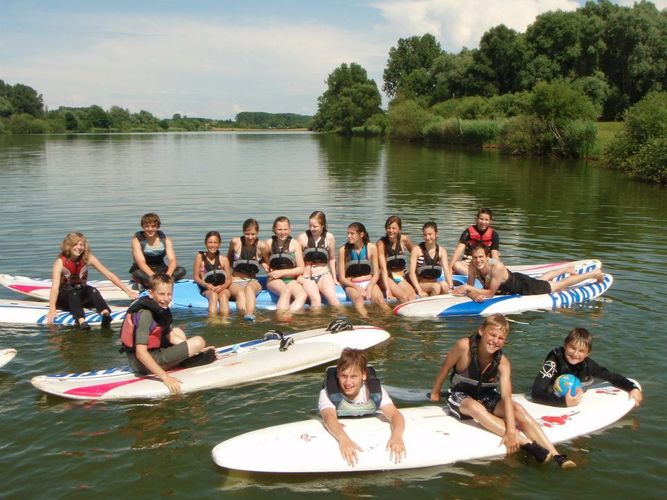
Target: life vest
{"points": [[475, 237], [281, 257], [474, 382], [73, 274], [316, 252], [357, 265], [213, 272], [395, 256], [429, 267], [346, 408], [247, 262], [160, 325], [153, 259]]}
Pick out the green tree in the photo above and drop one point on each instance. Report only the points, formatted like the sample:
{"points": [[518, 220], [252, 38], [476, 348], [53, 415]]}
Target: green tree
{"points": [[25, 99], [350, 99], [409, 66], [6, 108], [71, 121], [96, 117], [451, 75], [119, 118]]}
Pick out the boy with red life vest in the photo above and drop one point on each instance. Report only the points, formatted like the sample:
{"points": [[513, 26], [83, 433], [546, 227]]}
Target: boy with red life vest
{"points": [[151, 343], [69, 288], [481, 232], [482, 390], [351, 390]]}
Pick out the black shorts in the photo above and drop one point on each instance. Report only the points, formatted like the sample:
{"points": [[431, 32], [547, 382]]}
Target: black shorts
{"points": [[489, 399], [524, 285]]}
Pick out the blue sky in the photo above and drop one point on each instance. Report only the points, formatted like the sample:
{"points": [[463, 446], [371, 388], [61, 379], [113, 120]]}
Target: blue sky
{"points": [[216, 58]]}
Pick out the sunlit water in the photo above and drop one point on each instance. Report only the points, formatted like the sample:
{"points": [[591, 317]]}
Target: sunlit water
{"points": [[544, 210]]}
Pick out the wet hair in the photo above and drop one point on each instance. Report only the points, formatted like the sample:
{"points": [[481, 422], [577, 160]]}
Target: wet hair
{"points": [[150, 218], [282, 218], [360, 228], [213, 233], [486, 211], [430, 224], [479, 244], [497, 320], [160, 279], [352, 358], [321, 218], [391, 219], [580, 336], [70, 242], [249, 223]]}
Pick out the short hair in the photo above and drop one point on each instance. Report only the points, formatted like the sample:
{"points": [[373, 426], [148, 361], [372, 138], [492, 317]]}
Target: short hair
{"points": [[249, 223], [479, 244], [497, 320], [391, 219], [580, 336], [352, 358], [282, 218], [212, 233], [150, 218], [160, 279], [70, 242], [485, 210], [320, 217]]}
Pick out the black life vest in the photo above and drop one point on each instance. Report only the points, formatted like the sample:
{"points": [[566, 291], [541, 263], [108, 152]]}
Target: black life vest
{"points": [[247, 263], [475, 381], [357, 266], [280, 257], [344, 407], [316, 252], [213, 272], [580, 370], [157, 259], [475, 237], [429, 267], [394, 256], [160, 326], [74, 274]]}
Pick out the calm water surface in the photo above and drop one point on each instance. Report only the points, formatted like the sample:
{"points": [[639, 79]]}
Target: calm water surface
{"points": [[544, 210]]}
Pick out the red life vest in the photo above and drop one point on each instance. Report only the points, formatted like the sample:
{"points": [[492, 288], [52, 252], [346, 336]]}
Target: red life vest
{"points": [[486, 239], [73, 274], [160, 325]]}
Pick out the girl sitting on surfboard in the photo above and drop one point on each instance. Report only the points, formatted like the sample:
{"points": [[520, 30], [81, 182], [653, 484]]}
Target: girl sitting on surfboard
{"points": [[393, 249], [212, 273], [69, 288], [245, 255], [428, 263]]}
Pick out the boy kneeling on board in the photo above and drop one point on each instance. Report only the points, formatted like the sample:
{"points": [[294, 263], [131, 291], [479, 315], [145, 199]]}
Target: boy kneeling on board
{"points": [[351, 389], [479, 369], [151, 343], [572, 359]]}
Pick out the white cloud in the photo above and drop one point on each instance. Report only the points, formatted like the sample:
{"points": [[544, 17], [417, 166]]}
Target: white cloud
{"points": [[198, 68], [457, 24]]}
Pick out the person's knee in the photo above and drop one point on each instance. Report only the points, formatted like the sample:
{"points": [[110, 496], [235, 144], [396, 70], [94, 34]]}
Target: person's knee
{"points": [[196, 345]]}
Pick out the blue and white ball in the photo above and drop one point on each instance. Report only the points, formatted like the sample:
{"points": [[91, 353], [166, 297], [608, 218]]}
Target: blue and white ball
{"points": [[566, 383]]}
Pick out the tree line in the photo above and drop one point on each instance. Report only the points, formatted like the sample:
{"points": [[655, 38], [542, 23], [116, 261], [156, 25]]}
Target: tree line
{"points": [[22, 111], [538, 92]]}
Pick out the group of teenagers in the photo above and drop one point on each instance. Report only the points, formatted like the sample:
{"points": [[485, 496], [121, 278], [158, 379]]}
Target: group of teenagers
{"points": [[480, 373], [306, 268]]}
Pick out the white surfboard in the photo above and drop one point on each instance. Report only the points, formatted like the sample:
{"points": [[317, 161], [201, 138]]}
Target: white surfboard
{"points": [[41, 288], [431, 437], [6, 355], [236, 364], [27, 312]]}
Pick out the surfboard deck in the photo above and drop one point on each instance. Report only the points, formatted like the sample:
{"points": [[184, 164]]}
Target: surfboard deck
{"points": [[238, 363], [6, 355], [27, 312], [452, 305], [41, 288], [432, 437]]}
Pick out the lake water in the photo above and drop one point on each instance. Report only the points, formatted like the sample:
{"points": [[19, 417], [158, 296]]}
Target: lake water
{"points": [[545, 210]]}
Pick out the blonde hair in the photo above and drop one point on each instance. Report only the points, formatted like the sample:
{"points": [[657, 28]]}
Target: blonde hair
{"points": [[497, 320], [70, 242]]}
